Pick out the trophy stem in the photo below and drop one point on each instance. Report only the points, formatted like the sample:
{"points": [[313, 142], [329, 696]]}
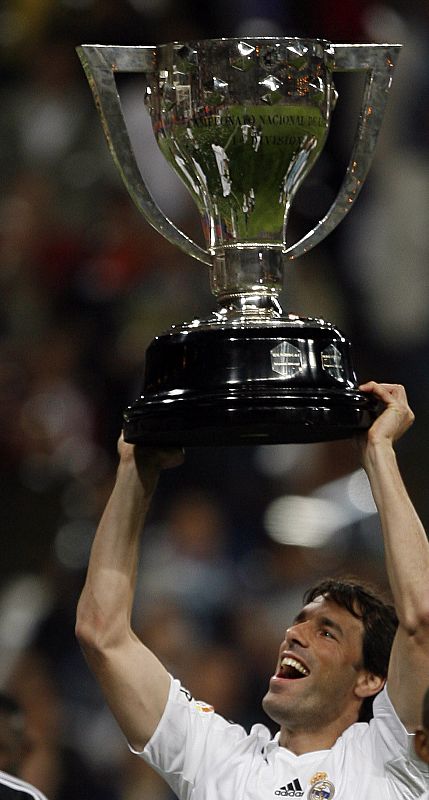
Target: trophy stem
{"points": [[248, 279]]}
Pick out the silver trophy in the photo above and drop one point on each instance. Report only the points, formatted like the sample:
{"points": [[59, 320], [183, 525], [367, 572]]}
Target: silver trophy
{"points": [[242, 122]]}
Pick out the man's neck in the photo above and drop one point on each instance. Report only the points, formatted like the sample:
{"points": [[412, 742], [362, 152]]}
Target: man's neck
{"points": [[300, 741]]}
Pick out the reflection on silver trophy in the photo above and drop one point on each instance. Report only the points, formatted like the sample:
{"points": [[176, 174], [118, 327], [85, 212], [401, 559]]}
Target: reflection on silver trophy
{"points": [[242, 123]]}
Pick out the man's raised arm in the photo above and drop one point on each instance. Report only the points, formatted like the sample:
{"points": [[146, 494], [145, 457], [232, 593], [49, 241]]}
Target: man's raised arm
{"points": [[406, 553], [134, 682]]}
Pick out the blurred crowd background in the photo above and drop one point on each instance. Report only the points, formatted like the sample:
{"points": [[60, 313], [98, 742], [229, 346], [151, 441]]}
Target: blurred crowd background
{"points": [[236, 534]]}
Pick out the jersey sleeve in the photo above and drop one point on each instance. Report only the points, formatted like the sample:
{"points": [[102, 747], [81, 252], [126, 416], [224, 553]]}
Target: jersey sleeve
{"points": [[393, 746], [191, 738], [388, 735]]}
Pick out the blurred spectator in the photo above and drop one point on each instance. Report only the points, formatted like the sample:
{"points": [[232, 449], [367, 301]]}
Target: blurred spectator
{"points": [[14, 744], [15, 747], [186, 562], [62, 707]]}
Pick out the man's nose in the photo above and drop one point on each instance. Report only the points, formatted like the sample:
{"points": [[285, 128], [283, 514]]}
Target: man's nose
{"points": [[299, 632]]}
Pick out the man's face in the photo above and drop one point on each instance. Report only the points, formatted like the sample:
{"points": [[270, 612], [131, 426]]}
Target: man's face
{"points": [[319, 664]]}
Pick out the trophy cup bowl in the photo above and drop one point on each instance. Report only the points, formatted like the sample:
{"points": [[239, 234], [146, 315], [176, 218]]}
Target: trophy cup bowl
{"points": [[242, 123]]}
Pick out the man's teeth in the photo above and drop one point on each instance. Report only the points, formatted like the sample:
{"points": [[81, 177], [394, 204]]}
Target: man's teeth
{"points": [[290, 662]]}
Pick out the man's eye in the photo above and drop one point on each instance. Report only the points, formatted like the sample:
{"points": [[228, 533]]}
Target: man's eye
{"points": [[328, 634]]}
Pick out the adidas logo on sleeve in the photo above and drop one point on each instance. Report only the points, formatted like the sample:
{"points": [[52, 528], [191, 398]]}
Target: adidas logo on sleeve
{"points": [[292, 789]]}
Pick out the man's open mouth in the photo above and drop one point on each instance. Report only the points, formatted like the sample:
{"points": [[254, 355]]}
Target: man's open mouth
{"points": [[291, 668]]}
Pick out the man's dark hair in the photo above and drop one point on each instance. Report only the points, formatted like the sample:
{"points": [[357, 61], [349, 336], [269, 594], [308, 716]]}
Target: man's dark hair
{"points": [[379, 621], [425, 712]]}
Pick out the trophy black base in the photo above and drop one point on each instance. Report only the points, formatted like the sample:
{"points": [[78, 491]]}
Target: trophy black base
{"points": [[290, 381], [250, 420]]}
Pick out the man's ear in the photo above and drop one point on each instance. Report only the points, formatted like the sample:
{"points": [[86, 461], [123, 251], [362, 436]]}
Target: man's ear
{"points": [[421, 744], [368, 684]]}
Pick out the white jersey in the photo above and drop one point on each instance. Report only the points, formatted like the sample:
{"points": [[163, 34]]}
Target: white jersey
{"points": [[15, 789], [202, 755]]}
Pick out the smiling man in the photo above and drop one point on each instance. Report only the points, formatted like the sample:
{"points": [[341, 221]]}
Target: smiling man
{"points": [[340, 643], [332, 664]]}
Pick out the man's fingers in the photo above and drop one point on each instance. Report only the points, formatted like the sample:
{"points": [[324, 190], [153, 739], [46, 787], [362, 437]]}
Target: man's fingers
{"points": [[165, 457], [394, 396], [171, 457], [161, 457], [387, 392]]}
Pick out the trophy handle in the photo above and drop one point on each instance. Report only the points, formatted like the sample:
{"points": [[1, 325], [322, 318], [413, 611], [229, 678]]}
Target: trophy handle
{"points": [[378, 61], [100, 63]]}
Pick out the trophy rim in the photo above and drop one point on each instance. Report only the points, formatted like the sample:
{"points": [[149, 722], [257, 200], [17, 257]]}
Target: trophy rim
{"points": [[232, 39]]}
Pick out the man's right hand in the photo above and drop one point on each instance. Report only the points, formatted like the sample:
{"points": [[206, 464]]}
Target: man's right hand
{"points": [[149, 461]]}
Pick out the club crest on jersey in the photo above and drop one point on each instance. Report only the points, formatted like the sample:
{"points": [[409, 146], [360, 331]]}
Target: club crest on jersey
{"points": [[321, 790]]}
